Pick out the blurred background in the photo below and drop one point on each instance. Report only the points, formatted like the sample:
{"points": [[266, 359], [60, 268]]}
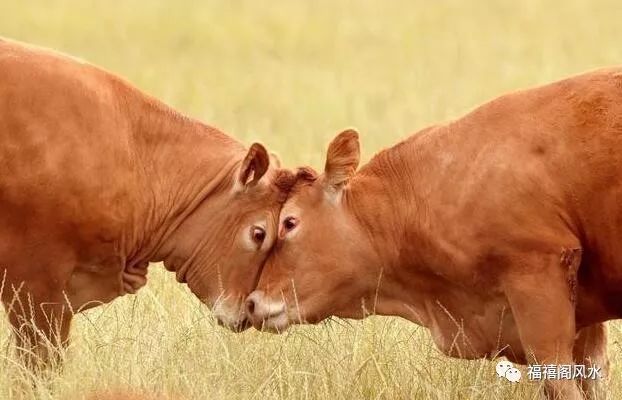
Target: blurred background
{"points": [[291, 74]]}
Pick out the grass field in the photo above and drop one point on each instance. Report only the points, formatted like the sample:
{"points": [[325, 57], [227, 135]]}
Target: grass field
{"points": [[291, 74]]}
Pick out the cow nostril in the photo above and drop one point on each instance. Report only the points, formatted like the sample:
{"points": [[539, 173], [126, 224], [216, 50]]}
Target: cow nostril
{"points": [[250, 306]]}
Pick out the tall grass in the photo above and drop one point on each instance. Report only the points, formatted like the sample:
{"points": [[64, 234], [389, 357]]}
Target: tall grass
{"points": [[292, 73], [164, 342]]}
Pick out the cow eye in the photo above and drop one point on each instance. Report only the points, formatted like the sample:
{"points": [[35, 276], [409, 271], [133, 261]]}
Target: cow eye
{"points": [[259, 234], [290, 223]]}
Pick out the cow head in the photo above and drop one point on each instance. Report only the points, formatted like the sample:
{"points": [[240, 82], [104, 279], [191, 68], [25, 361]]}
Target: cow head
{"points": [[313, 269], [219, 248]]}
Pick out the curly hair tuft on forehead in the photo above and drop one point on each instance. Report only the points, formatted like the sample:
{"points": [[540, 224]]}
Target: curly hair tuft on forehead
{"points": [[306, 174], [286, 181]]}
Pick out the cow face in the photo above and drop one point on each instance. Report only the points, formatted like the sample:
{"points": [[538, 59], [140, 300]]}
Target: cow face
{"points": [[312, 272], [219, 249]]}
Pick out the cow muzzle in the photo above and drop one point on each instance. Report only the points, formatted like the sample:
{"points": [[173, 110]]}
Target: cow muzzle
{"points": [[230, 317], [266, 314]]}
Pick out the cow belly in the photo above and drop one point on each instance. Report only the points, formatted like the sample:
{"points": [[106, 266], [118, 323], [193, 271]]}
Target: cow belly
{"points": [[484, 332]]}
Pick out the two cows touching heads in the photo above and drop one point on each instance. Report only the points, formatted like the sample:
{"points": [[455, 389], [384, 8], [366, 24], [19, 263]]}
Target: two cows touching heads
{"points": [[460, 222], [306, 250]]}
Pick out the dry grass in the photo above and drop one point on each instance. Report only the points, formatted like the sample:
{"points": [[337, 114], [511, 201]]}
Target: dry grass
{"points": [[291, 74]]}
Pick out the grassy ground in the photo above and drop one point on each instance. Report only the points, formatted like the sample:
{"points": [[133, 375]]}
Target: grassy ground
{"points": [[291, 74]]}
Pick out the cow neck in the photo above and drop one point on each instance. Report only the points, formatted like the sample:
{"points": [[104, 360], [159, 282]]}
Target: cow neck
{"points": [[183, 162], [388, 202]]}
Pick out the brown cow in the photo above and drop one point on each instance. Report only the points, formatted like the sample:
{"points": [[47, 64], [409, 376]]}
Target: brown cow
{"points": [[125, 395], [499, 231], [99, 179]]}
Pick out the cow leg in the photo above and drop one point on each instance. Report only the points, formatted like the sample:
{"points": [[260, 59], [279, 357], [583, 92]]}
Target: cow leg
{"points": [[590, 349], [41, 329], [540, 298]]}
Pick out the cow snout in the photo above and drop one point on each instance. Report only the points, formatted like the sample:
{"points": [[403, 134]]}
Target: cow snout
{"points": [[265, 313], [237, 326], [230, 316]]}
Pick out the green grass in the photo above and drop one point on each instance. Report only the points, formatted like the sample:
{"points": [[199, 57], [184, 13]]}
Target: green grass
{"points": [[292, 74]]}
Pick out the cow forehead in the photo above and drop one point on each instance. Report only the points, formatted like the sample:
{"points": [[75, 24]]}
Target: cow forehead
{"points": [[261, 195], [290, 208], [300, 201], [306, 198]]}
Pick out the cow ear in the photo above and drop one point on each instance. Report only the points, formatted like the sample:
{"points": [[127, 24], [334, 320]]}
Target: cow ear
{"points": [[255, 164], [342, 159]]}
